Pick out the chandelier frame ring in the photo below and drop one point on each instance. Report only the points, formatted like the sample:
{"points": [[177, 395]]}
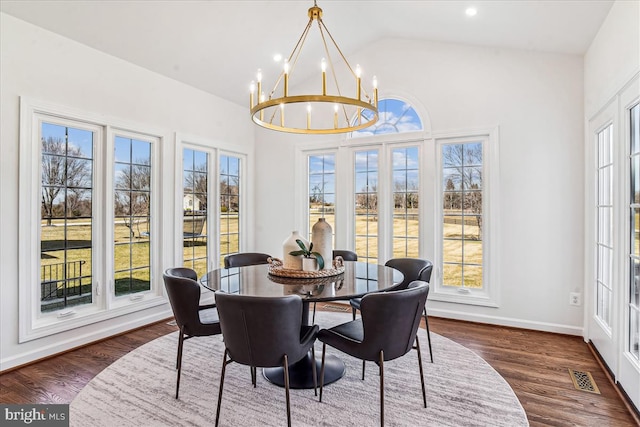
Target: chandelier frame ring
{"points": [[326, 99]]}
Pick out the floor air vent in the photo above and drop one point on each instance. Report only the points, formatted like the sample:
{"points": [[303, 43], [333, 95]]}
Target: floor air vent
{"points": [[583, 381]]}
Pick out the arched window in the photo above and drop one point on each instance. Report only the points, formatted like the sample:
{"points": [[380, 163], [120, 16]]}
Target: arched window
{"points": [[395, 116]]}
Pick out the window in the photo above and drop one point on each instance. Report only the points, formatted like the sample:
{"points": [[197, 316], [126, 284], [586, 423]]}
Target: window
{"points": [[132, 215], [195, 192], [366, 205], [394, 116], [462, 215], [405, 195], [604, 221], [230, 209], [66, 232], [87, 194], [322, 189], [385, 174]]}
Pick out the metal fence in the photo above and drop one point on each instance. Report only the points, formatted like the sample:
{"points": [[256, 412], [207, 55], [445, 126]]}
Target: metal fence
{"points": [[61, 281]]}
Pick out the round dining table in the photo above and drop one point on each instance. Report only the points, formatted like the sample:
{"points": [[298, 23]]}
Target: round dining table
{"points": [[357, 280]]}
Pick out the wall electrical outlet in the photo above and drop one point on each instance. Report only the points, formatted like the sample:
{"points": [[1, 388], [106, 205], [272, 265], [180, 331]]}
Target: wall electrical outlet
{"points": [[575, 298]]}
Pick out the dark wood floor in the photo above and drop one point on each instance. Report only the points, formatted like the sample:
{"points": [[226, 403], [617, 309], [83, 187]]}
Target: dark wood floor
{"points": [[535, 364]]}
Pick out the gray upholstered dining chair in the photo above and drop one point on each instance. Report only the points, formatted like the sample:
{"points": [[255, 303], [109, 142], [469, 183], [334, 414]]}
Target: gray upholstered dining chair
{"points": [[264, 332], [244, 259], [387, 330], [412, 269], [193, 319], [346, 256]]}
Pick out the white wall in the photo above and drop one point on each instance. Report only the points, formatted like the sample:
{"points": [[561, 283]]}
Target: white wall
{"points": [[44, 66], [613, 57], [536, 100]]}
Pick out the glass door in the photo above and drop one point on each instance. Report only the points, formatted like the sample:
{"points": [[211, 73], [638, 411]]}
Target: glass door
{"points": [[629, 372], [603, 290]]}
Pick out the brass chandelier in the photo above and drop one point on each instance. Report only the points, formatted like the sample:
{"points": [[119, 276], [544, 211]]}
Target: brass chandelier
{"points": [[327, 112]]}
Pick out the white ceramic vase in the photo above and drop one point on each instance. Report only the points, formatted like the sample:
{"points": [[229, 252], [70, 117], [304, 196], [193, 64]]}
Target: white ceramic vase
{"points": [[321, 236], [292, 262], [309, 264]]}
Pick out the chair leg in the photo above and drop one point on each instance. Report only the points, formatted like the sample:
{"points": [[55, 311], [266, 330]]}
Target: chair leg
{"points": [[426, 322], [353, 313], [224, 367], [313, 318], [179, 361], [381, 362], [324, 347], [286, 388], [315, 370], [363, 365], [253, 376], [424, 393], [180, 341]]}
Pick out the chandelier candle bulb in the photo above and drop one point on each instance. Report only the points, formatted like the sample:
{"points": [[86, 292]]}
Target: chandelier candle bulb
{"points": [[252, 88], [261, 100], [375, 91], [308, 116], [282, 115], [323, 65], [259, 80], [286, 79], [358, 85]]}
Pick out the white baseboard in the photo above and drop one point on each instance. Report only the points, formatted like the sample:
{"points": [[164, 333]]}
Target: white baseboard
{"points": [[502, 321], [109, 329], [507, 321]]}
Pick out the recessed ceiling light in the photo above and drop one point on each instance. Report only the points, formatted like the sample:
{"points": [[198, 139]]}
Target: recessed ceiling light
{"points": [[277, 57], [471, 11]]}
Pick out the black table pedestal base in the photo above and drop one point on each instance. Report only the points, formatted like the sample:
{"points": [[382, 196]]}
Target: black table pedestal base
{"points": [[301, 374]]}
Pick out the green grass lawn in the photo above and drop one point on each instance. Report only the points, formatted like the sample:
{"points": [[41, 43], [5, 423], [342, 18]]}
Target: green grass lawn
{"points": [[132, 252]]}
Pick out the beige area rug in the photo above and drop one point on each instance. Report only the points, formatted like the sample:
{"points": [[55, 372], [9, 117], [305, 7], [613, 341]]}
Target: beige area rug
{"points": [[138, 390]]}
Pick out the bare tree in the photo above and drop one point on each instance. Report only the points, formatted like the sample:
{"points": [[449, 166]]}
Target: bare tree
{"points": [[405, 197], [368, 198], [229, 191], [62, 169], [133, 197], [464, 187], [316, 194], [196, 184]]}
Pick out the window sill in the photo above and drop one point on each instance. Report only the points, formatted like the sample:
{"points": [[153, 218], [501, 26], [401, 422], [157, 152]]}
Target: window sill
{"points": [[469, 298], [65, 320]]}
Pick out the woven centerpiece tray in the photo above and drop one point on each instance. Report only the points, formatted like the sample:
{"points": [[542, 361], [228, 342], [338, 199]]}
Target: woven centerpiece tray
{"points": [[276, 269]]}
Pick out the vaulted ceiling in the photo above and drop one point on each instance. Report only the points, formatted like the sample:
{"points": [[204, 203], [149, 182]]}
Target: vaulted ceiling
{"points": [[217, 46]]}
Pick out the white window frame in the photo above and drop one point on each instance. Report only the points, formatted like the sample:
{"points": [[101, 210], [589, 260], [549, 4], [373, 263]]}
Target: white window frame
{"points": [[154, 227], [302, 170], [199, 144], [32, 323], [243, 218], [387, 216], [380, 149], [215, 149], [489, 294]]}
